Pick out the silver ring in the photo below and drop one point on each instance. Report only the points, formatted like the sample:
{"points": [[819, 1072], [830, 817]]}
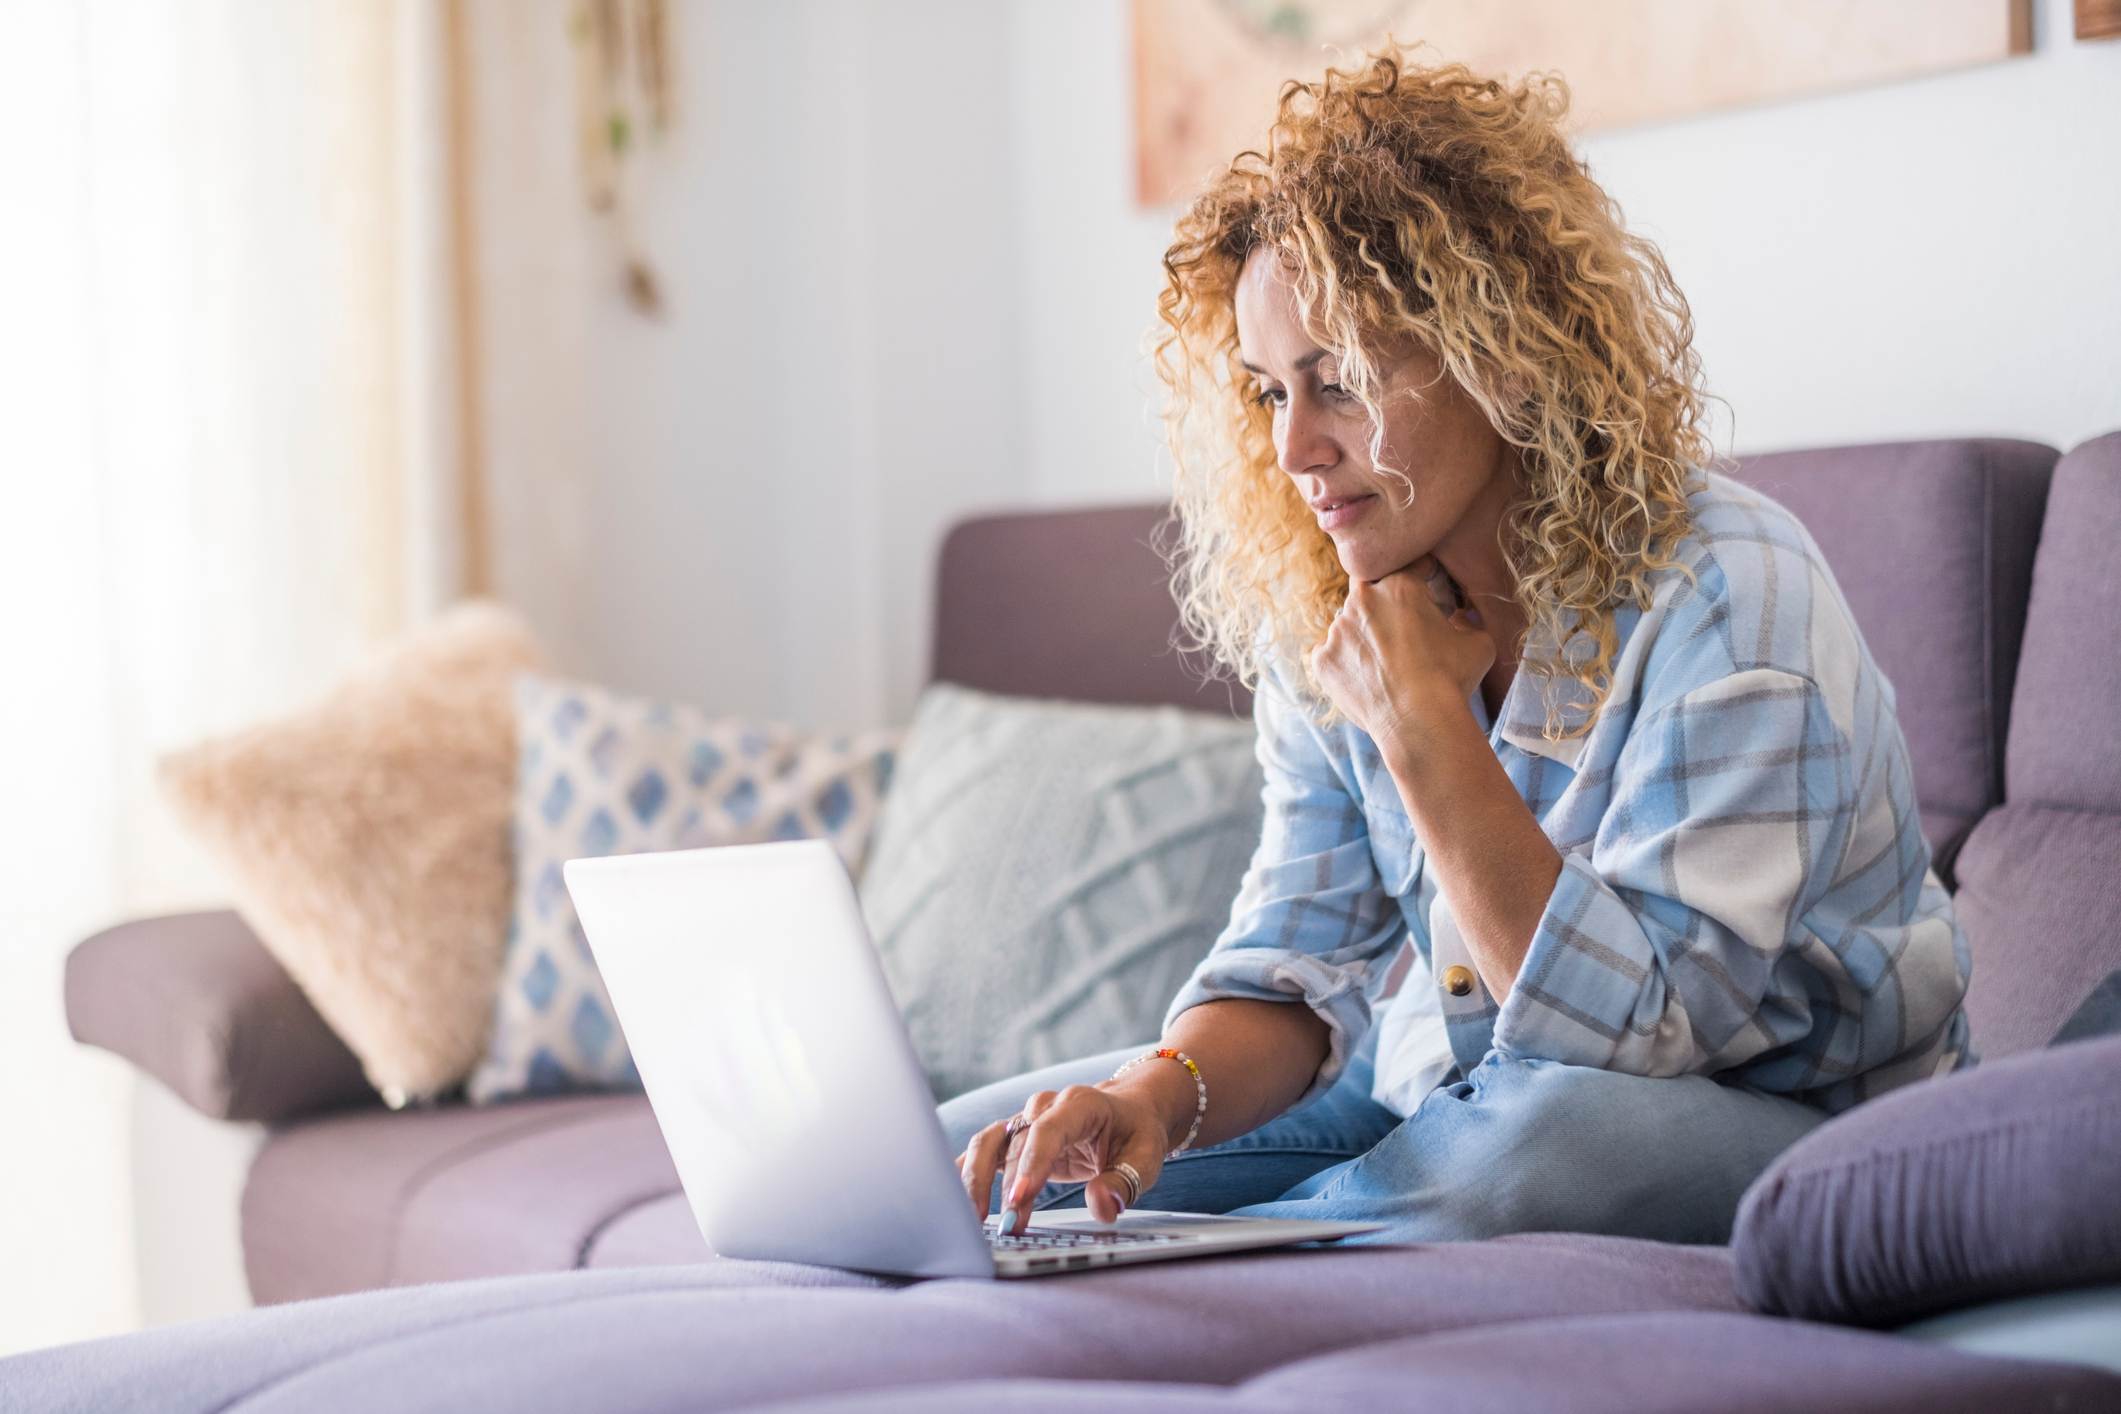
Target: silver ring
{"points": [[1018, 1122]]}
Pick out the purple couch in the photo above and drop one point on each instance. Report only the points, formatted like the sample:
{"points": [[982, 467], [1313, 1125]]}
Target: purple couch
{"points": [[2007, 668]]}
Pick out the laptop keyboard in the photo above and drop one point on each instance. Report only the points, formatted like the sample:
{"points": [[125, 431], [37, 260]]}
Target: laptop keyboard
{"points": [[1053, 1239]]}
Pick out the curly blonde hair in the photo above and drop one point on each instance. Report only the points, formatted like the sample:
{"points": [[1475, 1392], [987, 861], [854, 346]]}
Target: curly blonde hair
{"points": [[1435, 203]]}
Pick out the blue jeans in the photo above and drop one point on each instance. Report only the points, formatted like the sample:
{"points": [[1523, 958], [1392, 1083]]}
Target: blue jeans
{"points": [[1515, 1146]]}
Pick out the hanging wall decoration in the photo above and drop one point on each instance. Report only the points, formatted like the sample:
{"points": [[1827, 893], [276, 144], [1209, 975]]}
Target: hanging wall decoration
{"points": [[623, 102], [1207, 72]]}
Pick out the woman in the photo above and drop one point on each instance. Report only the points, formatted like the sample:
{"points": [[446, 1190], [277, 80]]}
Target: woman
{"points": [[1436, 420]]}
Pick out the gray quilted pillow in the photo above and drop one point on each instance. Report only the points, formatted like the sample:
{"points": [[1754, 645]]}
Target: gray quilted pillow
{"points": [[1045, 874]]}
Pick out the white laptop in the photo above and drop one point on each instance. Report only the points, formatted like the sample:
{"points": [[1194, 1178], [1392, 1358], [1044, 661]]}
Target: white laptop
{"points": [[787, 1088]]}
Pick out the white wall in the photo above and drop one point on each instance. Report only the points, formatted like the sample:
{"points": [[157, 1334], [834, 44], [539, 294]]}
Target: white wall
{"points": [[1928, 259], [737, 504], [909, 280]]}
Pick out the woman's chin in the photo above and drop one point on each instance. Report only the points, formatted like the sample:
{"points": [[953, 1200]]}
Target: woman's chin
{"points": [[1363, 562]]}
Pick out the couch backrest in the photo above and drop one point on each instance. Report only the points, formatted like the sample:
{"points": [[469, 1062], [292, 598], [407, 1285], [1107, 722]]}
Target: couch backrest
{"points": [[2040, 876], [1066, 603], [1932, 544]]}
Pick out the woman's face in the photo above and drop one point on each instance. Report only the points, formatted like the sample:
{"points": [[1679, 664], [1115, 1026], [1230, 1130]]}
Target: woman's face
{"points": [[1441, 441]]}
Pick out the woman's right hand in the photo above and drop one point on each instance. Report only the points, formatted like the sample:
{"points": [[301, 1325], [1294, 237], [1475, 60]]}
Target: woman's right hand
{"points": [[1077, 1133]]}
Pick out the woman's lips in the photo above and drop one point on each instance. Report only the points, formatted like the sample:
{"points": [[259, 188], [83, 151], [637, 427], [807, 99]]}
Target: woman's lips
{"points": [[1346, 513]]}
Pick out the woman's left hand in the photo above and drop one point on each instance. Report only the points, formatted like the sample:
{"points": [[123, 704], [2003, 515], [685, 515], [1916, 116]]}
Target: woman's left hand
{"points": [[1400, 649]]}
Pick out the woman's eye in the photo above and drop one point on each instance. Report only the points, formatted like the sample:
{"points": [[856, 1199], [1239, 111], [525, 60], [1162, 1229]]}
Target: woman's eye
{"points": [[1275, 397]]}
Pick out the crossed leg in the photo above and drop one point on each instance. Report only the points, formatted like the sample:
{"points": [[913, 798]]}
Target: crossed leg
{"points": [[1537, 1146]]}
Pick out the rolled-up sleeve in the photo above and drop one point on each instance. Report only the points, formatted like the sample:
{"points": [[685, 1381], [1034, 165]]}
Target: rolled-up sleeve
{"points": [[1312, 921], [1667, 949]]}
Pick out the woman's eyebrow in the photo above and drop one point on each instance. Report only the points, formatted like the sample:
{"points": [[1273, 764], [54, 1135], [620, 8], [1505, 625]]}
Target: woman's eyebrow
{"points": [[1301, 364]]}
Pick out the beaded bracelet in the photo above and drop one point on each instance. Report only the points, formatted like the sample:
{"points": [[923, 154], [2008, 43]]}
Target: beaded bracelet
{"points": [[1198, 1084]]}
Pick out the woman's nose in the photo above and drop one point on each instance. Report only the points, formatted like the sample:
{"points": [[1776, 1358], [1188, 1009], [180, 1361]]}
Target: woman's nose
{"points": [[1305, 446]]}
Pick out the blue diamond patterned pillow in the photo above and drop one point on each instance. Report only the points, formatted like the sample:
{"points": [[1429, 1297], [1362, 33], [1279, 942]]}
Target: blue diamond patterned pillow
{"points": [[599, 773]]}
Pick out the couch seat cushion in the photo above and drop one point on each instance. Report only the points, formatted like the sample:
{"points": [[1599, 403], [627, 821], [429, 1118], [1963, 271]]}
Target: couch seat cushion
{"points": [[658, 1233], [731, 1334], [1673, 1360], [374, 1198], [1628, 1364]]}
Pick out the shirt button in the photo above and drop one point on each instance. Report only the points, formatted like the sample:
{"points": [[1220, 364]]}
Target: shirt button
{"points": [[1458, 981]]}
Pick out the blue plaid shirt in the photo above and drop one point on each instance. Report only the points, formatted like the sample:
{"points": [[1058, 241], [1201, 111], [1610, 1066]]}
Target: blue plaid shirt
{"points": [[1745, 887]]}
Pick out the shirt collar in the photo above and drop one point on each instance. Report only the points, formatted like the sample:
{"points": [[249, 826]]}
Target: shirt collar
{"points": [[1524, 709]]}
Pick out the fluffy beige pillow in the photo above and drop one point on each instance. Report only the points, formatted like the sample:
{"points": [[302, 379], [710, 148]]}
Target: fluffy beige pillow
{"points": [[366, 840]]}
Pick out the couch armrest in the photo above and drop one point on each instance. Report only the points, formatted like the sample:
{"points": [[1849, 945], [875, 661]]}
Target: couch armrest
{"points": [[196, 1001]]}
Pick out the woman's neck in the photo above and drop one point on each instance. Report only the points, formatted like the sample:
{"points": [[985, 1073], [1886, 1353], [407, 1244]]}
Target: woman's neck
{"points": [[1473, 557]]}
